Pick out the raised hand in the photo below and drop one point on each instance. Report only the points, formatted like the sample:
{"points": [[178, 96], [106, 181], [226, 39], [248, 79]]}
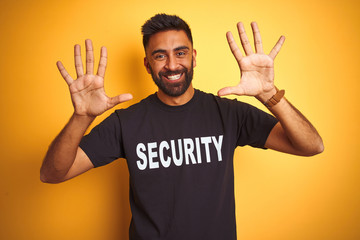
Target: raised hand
{"points": [[257, 68], [87, 91]]}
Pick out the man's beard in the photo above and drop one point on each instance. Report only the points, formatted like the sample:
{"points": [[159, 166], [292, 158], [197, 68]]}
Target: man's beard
{"points": [[174, 89]]}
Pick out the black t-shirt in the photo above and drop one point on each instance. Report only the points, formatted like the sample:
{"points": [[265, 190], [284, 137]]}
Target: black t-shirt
{"points": [[180, 160]]}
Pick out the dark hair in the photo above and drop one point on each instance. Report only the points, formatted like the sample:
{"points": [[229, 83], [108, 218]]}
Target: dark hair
{"points": [[163, 22]]}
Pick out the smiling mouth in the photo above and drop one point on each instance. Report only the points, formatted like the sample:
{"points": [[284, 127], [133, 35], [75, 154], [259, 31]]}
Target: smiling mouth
{"points": [[173, 77]]}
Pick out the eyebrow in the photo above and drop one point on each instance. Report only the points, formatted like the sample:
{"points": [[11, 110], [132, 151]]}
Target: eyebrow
{"points": [[163, 50]]}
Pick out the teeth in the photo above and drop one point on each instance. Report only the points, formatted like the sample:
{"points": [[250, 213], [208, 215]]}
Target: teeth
{"points": [[174, 77]]}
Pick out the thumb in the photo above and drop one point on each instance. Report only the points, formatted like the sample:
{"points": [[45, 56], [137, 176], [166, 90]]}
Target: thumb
{"points": [[231, 90], [119, 99]]}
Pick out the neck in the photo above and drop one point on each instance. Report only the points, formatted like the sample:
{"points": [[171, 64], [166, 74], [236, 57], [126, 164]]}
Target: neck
{"points": [[176, 101]]}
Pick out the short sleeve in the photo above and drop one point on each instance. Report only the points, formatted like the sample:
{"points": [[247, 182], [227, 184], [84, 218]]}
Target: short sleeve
{"points": [[103, 144], [255, 126]]}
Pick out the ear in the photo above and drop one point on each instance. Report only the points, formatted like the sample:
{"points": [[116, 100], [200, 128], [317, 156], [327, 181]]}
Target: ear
{"points": [[194, 57], [147, 65]]}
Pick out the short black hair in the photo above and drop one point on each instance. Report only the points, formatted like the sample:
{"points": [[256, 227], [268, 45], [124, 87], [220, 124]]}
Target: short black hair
{"points": [[163, 22]]}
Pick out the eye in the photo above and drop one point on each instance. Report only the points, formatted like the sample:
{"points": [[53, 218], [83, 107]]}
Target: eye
{"points": [[160, 56], [180, 54]]}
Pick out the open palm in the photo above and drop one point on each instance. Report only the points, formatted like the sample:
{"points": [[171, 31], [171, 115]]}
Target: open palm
{"points": [[257, 68], [87, 91]]}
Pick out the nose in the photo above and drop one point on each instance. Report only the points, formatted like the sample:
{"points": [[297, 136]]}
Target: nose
{"points": [[171, 63]]}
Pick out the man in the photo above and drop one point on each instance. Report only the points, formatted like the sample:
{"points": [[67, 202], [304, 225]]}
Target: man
{"points": [[179, 142]]}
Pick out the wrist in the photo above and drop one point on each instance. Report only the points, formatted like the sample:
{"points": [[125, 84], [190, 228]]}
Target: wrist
{"points": [[275, 99], [85, 119], [271, 98], [264, 97]]}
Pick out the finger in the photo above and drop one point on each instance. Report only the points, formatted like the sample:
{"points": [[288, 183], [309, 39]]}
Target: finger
{"points": [[231, 90], [244, 39], [78, 62], [257, 38], [64, 73], [102, 62], [119, 99], [233, 46], [277, 47], [89, 57]]}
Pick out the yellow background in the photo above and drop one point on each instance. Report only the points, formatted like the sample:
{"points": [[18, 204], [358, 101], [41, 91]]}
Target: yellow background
{"points": [[278, 196]]}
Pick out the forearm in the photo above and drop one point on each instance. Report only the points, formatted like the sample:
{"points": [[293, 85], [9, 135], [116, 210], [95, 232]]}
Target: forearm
{"points": [[62, 151], [300, 133], [295, 134]]}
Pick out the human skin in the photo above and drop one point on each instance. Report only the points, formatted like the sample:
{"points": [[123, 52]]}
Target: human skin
{"points": [[293, 133], [170, 51]]}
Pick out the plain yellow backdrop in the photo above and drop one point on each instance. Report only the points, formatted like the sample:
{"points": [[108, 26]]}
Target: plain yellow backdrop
{"points": [[278, 196]]}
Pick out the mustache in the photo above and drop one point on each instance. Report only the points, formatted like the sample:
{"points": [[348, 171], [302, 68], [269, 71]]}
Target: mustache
{"points": [[167, 73]]}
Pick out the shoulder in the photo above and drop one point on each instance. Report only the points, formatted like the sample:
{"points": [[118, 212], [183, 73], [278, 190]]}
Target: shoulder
{"points": [[137, 107], [222, 102]]}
